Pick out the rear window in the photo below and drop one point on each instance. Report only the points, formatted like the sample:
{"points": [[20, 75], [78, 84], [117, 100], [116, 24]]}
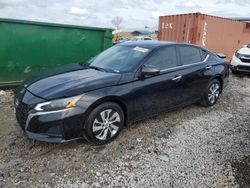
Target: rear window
{"points": [[190, 55]]}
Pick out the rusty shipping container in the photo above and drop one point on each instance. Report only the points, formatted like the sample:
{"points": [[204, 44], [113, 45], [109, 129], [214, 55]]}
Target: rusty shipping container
{"points": [[214, 33]]}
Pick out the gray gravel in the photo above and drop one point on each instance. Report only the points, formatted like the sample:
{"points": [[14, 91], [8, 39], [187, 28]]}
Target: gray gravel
{"points": [[191, 147]]}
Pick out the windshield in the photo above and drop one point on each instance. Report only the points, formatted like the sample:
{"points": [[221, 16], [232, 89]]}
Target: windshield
{"points": [[119, 58]]}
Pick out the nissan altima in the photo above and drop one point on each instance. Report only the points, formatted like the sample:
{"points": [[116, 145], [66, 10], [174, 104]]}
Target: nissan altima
{"points": [[128, 82]]}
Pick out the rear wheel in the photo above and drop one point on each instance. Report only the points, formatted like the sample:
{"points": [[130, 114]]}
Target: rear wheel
{"points": [[104, 123], [212, 93]]}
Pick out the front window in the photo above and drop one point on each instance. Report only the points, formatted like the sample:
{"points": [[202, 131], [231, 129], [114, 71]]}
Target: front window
{"points": [[119, 58]]}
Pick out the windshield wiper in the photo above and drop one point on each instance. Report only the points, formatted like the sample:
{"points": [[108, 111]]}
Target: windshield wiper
{"points": [[96, 68]]}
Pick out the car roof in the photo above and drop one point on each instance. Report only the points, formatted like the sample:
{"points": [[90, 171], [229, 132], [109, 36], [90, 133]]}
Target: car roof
{"points": [[151, 44], [147, 44]]}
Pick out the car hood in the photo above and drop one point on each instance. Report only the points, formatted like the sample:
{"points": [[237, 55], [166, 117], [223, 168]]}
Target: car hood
{"points": [[72, 83], [244, 51]]}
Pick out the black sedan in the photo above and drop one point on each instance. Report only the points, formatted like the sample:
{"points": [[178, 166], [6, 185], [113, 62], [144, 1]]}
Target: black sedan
{"points": [[126, 83]]}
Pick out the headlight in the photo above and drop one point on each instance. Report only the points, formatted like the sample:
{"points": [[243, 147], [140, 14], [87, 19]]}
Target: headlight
{"points": [[238, 55], [59, 104]]}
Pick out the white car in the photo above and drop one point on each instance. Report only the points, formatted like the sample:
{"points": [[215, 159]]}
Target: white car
{"points": [[141, 38], [241, 60]]}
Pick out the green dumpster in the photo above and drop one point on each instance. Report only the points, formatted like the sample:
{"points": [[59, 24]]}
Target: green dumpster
{"points": [[27, 47]]}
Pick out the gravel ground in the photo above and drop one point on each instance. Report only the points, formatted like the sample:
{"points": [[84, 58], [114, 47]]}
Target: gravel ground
{"points": [[191, 147]]}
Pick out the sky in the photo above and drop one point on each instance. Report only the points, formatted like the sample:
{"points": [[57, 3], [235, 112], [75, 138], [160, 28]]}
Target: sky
{"points": [[135, 13]]}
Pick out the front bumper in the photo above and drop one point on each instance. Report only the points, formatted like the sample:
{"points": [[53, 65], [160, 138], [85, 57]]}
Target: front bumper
{"points": [[238, 65], [54, 126], [241, 68], [44, 137]]}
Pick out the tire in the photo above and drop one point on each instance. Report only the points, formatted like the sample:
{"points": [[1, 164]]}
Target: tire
{"points": [[98, 127], [212, 93], [235, 72]]}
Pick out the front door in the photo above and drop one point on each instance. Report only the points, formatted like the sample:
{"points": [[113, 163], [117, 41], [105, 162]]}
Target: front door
{"points": [[163, 91]]}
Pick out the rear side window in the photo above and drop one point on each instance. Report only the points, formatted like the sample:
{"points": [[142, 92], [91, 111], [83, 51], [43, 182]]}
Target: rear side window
{"points": [[203, 55], [164, 58], [213, 58], [189, 55]]}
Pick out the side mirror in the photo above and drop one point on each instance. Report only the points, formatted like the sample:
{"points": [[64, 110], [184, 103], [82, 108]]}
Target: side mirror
{"points": [[221, 55], [149, 70], [82, 63]]}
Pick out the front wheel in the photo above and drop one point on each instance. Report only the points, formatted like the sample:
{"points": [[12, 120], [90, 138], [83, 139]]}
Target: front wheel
{"points": [[235, 72], [212, 93], [104, 123]]}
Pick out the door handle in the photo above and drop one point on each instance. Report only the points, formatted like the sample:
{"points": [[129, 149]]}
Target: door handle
{"points": [[177, 78], [208, 67]]}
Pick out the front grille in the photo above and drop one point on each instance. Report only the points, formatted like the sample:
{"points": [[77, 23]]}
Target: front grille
{"points": [[22, 114], [245, 60]]}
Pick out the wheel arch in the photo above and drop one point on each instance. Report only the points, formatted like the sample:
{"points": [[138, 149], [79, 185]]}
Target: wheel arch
{"points": [[114, 99], [220, 79]]}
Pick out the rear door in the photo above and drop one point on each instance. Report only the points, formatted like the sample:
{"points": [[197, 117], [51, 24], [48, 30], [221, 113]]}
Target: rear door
{"points": [[196, 71]]}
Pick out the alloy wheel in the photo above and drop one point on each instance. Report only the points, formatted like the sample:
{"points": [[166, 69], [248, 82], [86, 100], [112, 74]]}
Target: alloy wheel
{"points": [[214, 92], [106, 124]]}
